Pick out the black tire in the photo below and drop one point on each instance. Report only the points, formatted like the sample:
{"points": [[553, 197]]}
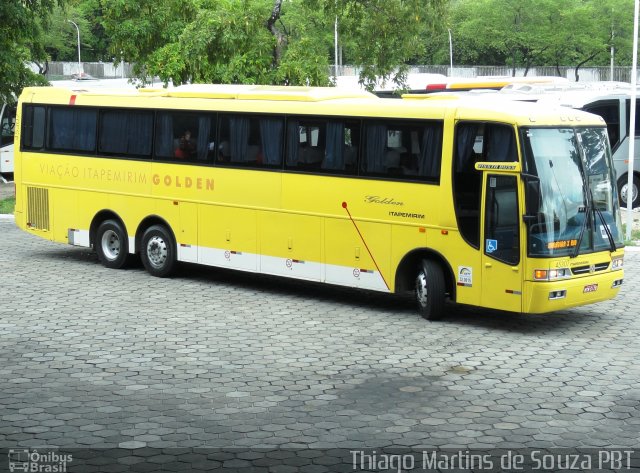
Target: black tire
{"points": [[112, 244], [430, 290], [158, 251], [622, 191]]}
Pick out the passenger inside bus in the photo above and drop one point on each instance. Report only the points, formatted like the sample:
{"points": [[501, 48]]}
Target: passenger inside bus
{"points": [[186, 147]]}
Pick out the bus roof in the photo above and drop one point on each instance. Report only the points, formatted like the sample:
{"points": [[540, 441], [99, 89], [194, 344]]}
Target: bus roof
{"points": [[308, 101]]}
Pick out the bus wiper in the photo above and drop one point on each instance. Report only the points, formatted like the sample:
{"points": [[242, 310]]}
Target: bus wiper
{"points": [[587, 215], [607, 230]]}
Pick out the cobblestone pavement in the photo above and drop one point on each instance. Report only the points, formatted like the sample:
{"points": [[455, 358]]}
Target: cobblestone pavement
{"points": [[99, 358]]}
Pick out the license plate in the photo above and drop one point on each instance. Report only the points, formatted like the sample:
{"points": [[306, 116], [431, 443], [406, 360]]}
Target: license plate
{"points": [[590, 288]]}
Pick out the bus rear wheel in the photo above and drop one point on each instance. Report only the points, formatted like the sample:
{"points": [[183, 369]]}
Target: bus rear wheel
{"points": [[430, 290], [623, 191], [158, 251], [112, 245]]}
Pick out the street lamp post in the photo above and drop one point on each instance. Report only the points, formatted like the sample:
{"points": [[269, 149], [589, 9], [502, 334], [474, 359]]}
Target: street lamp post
{"points": [[450, 53], [79, 63]]}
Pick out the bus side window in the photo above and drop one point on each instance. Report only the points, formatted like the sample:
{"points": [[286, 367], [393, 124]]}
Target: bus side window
{"points": [[467, 181], [403, 150], [33, 126], [8, 125], [72, 129], [610, 113], [252, 141], [306, 143], [171, 128], [477, 142], [126, 133]]}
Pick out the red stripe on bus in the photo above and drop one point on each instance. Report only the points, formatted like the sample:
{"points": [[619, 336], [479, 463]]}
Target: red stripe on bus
{"points": [[345, 206]]}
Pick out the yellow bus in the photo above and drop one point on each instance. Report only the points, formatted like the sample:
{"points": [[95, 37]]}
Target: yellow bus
{"points": [[491, 205]]}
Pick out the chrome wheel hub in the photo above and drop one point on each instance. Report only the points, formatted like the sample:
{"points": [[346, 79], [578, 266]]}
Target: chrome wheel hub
{"points": [[421, 289], [157, 251], [110, 244], [624, 191]]}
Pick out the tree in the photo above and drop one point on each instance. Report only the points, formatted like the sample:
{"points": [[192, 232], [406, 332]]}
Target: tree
{"points": [[267, 41], [539, 32], [21, 43]]}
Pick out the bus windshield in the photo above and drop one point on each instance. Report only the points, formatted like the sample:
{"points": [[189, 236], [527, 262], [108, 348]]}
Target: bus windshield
{"points": [[577, 201]]}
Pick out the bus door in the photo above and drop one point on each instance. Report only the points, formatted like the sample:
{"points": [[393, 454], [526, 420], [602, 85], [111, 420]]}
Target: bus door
{"points": [[501, 261]]}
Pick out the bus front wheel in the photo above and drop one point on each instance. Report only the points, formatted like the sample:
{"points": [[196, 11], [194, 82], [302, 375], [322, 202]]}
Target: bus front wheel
{"points": [[158, 251], [111, 244], [623, 191], [430, 290]]}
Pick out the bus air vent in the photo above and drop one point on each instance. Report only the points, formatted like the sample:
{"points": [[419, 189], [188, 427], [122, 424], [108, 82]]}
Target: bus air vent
{"points": [[589, 268], [38, 208]]}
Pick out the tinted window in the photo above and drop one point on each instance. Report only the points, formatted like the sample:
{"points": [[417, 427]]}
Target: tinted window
{"points": [[326, 146], [404, 150], [251, 141], [72, 129], [185, 136], [502, 234], [8, 126], [610, 113], [33, 126], [637, 132], [476, 141], [126, 133]]}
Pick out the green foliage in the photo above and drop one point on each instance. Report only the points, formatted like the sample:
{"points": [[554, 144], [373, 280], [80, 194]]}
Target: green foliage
{"points": [[229, 41], [538, 32], [21, 34]]}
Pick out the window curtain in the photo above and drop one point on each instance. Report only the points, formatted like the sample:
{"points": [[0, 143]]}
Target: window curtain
{"points": [[239, 139], [271, 140], [293, 142], [334, 151], [126, 133], [502, 144], [113, 133], [73, 129], [164, 135], [204, 132], [85, 135], [139, 133], [430, 152], [376, 142], [465, 139]]}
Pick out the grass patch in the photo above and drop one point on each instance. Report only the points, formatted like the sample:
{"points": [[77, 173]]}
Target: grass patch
{"points": [[7, 206], [635, 236]]}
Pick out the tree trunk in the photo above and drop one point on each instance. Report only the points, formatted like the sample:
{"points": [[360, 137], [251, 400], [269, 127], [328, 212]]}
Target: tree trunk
{"points": [[281, 38], [583, 63]]}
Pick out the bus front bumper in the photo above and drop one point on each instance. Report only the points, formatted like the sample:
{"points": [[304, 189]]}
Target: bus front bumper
{"points": [[549, 296]]}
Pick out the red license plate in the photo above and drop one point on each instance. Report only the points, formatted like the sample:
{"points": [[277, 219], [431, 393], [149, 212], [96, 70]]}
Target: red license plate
{"points": [[590, 288]]}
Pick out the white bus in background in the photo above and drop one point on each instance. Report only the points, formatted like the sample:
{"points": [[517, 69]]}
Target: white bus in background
{"points": [[610, 100], [7, 123]]}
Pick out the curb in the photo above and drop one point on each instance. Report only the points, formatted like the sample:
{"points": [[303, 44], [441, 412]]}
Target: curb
{"points": [[7, 217]]}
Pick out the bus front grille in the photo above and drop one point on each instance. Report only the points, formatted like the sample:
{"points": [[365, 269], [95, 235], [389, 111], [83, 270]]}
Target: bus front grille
{"points": [[38, 208], [589, 269]]}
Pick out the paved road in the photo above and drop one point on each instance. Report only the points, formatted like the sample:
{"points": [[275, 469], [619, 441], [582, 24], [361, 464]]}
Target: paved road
{"points": [[98, 358]]}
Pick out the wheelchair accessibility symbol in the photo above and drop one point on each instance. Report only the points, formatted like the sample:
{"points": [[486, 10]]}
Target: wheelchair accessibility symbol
{"points": [[491, 246]]}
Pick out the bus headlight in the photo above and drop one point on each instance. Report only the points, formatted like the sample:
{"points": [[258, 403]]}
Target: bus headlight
{"points": [[551, 274], [617, 263]]}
